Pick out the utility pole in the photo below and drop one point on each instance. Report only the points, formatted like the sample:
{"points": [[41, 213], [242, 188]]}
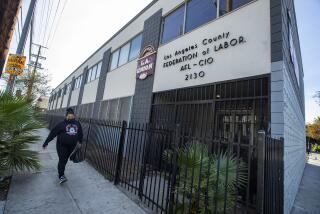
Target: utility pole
{"points": [[22, 41], [34, 71]]}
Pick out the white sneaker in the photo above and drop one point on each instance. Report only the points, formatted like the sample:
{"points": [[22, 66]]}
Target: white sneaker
{"points": [[62, 179]]}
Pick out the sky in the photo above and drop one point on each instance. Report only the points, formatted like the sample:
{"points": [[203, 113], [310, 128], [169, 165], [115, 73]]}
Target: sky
{"points": [[83, 27], [308, 18]]}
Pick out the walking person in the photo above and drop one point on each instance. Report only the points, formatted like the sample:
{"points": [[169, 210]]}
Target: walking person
{"points": [[69, 135]]}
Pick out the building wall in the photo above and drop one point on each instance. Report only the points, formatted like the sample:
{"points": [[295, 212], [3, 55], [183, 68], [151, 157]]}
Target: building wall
{"points": [[142, 100], [294, 136], [287, 99], [121, 82], [65, 100], [245, 59], [90, 92], [74, 97]]}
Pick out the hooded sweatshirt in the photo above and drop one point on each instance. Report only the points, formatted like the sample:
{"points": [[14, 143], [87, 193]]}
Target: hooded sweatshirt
{"points": [[68, 132]]}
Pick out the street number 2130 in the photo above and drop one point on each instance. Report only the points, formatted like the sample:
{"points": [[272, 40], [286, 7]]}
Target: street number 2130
{"points": [[194, 76]]}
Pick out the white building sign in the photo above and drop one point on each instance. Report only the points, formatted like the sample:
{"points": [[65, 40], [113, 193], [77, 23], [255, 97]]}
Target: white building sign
{"points": [[236, 47]]}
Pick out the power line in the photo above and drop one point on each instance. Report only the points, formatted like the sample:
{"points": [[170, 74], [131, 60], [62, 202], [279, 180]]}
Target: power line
{"points": [[47, 22], [41, 23], [54, 18], [58, 22], [36, 25]]}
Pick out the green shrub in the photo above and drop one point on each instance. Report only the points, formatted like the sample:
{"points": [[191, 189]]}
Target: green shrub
{"points": [[198, 180], [315, 148], [17, 131]]}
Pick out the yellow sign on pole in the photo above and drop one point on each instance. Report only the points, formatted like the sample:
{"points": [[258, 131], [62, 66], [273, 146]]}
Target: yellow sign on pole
{"points": [[15, 64]]}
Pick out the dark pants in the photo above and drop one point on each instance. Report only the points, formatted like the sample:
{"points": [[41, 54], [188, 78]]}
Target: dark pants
{"points": [[64, 151]]}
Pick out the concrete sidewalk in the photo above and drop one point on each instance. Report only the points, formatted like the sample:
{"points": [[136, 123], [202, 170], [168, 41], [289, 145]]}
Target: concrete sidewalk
{"points": [[85, 192], [308, 198]]}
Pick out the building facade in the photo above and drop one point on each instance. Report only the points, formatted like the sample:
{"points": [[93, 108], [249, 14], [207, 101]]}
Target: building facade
{"points": [[231, 65]]}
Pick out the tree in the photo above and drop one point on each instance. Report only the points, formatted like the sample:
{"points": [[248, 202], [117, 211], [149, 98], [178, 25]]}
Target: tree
{"points": [[313, 130], [17, 130], [37, 83]]}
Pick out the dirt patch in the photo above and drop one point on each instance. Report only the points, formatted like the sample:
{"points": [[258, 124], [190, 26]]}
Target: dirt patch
{"points": [[4, 189]]}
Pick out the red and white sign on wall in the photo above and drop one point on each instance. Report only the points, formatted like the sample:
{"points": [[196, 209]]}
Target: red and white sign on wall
{"points": [[146, 63]]}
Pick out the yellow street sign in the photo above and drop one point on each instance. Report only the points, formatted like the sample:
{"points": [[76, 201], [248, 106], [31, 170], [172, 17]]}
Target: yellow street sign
{"points": [[15, 64]]}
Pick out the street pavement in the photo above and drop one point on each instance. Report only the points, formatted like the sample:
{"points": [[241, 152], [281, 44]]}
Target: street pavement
{"points": [[308, 198], [86, 191]]}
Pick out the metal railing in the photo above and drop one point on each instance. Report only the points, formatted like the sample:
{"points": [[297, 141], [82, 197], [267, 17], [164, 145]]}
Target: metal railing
{"points": [[173, 169]]}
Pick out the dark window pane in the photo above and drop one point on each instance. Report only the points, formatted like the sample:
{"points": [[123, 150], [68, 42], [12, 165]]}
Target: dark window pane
{"points": [[135, 47], [229, 5], [200, 12], [173, 25]]}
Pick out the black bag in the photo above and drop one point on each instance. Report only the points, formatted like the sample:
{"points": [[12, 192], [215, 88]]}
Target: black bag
{"points": [[77, 156]]}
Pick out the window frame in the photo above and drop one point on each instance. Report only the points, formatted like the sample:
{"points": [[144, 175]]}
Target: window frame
{"points": [[127, 58], [170, 13], [292, 49], [91, 77], [185, 4], [119, 49], [78, 81], [135, 57]]}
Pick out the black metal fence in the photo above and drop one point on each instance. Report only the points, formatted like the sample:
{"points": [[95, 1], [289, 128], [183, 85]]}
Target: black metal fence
{"points": [[273, 184], [174, 169]]}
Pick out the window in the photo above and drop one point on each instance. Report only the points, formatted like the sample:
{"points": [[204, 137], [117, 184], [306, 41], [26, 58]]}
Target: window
{"points": [[135, 47], [227, 6], [114, 60], [78, 82], [195, 13], [173, 25], [126, 53], [94, 72], [116, 109], [98, 70], [200, 12], [293, 53], [68, 89], [89, 75]]}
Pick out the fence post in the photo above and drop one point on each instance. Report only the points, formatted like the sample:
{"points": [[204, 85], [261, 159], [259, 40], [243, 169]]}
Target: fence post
{"points": [[87, 140], [120, 152], [145, 156], [281, 176], [261, 166], [174, 168]]}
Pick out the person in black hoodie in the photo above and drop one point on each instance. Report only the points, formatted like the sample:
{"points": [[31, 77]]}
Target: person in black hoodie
{"points": [[69, 135]]}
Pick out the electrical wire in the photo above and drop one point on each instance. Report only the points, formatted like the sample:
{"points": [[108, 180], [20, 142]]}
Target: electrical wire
{"points": [[58, 22], [47, 21], [54, 18], [41, 22]]}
